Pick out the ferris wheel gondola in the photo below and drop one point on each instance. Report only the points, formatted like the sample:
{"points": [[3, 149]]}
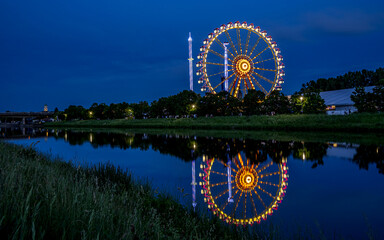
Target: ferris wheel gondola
{"points": [[237, 57], [241, 191]]}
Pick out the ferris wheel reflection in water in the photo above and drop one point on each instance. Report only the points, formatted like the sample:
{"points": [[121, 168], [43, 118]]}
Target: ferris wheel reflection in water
{"points": [[242, 191]]}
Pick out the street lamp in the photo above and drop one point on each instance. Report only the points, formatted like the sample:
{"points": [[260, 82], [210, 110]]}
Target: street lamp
{"points": [[301, 100]]}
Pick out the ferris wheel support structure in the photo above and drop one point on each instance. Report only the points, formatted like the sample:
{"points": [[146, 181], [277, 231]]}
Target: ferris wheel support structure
{"points": [[251, 60], [226, 66]]}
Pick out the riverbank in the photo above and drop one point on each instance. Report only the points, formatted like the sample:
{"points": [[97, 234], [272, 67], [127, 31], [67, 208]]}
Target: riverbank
{"points": [[45, 198], [354, 123]]}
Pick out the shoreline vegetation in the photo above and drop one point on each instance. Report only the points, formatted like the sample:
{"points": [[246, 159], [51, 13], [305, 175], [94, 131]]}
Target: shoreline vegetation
{"points": [[45, 198], [353, 123], [330, 137]]}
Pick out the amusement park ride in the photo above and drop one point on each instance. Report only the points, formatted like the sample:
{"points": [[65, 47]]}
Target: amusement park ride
{"points": [[235, 58]]}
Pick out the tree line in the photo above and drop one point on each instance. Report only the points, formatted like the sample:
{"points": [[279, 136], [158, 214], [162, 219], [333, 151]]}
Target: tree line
{"points": [[189, 148], [355, 79], [190, 104]]}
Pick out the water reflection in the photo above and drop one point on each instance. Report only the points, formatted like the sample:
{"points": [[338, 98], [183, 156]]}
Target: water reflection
{"points": [[242, 190], [189, 148]]}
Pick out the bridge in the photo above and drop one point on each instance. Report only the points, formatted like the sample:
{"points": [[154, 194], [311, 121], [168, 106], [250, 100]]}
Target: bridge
{"points": [[24, 115]]}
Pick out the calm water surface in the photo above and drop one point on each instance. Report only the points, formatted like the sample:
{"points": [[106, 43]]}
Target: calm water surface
{"points": [[330, 187]]}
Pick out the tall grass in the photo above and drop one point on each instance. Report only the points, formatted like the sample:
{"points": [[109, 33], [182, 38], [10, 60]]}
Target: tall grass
{"points": [[45, 198]]}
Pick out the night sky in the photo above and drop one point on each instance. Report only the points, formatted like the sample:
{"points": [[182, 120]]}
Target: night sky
{"points": [[68, 52]]}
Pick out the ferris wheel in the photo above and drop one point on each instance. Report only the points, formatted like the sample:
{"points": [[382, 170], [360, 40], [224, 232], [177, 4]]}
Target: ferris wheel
{"points": [[243, 192], [237, 57]]}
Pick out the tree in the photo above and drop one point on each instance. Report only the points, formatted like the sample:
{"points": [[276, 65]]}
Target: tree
{"points": [[296, 103], [253, 102], [221, 104], [363, 101], [207, 105], [378, 96], [140, 110], [99, 111], [313, 103], [276, 103], [75, 112], [159, 108]]}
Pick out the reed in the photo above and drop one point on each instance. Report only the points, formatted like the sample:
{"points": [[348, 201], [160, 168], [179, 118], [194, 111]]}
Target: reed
{"points": [[42, 197]]}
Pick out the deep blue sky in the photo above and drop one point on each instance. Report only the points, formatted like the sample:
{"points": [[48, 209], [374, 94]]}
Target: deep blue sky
{"points": [[79, 52]]}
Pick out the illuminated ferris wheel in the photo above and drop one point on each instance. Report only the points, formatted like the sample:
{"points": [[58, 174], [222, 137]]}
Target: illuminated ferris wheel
{"points": [[242, 192], [237, 57]]}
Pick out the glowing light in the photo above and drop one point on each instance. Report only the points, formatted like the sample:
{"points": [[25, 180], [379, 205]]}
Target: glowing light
{"points": [[249, 188], [244, 57]]}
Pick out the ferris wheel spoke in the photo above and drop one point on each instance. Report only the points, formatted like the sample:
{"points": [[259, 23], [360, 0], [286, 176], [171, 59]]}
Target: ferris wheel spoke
{"points": [[237, 87], [245, 205], [269, 174], [269, 194], [264, 69], [253, 203], [221, 194], [239, 40], [219, 173], [226, 202], [236, 205], [217, 73], [259, 85], [269, 183], [217, 54], [265, 167], [254, 46], [232, 85], [264, 78], [210, 63], [269, 59], [221, 44], [245, 88], [247, 42], [260, 53], [237, 162], [250, 81], [230, 41], [261, 200], [223, 81], [220, 184], [240, 159]]}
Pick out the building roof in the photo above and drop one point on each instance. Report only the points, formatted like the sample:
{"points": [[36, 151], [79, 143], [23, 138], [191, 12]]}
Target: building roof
{"points": [[341, 97]]}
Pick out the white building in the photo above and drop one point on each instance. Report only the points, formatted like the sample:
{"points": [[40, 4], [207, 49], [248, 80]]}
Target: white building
{"points": [[339, 101]]}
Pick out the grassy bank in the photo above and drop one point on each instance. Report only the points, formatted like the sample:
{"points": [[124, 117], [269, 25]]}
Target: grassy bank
{"points": [[45, 198], [356, 123], [303, 136]]}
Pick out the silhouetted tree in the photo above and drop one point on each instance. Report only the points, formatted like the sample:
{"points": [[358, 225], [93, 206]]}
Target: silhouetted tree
{"points": [[75, 112], [253, 102], [140, 110], [276, 103]]}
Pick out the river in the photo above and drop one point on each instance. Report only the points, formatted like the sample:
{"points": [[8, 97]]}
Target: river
{"points": [[320, 188]]}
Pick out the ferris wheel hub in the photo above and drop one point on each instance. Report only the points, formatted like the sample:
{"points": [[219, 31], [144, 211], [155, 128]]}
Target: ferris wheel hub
{"points": [[246, 179], [244, 65]]}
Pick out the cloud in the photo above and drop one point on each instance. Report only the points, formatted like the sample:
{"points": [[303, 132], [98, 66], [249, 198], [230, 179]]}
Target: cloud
{"points": [[343, 22]]}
